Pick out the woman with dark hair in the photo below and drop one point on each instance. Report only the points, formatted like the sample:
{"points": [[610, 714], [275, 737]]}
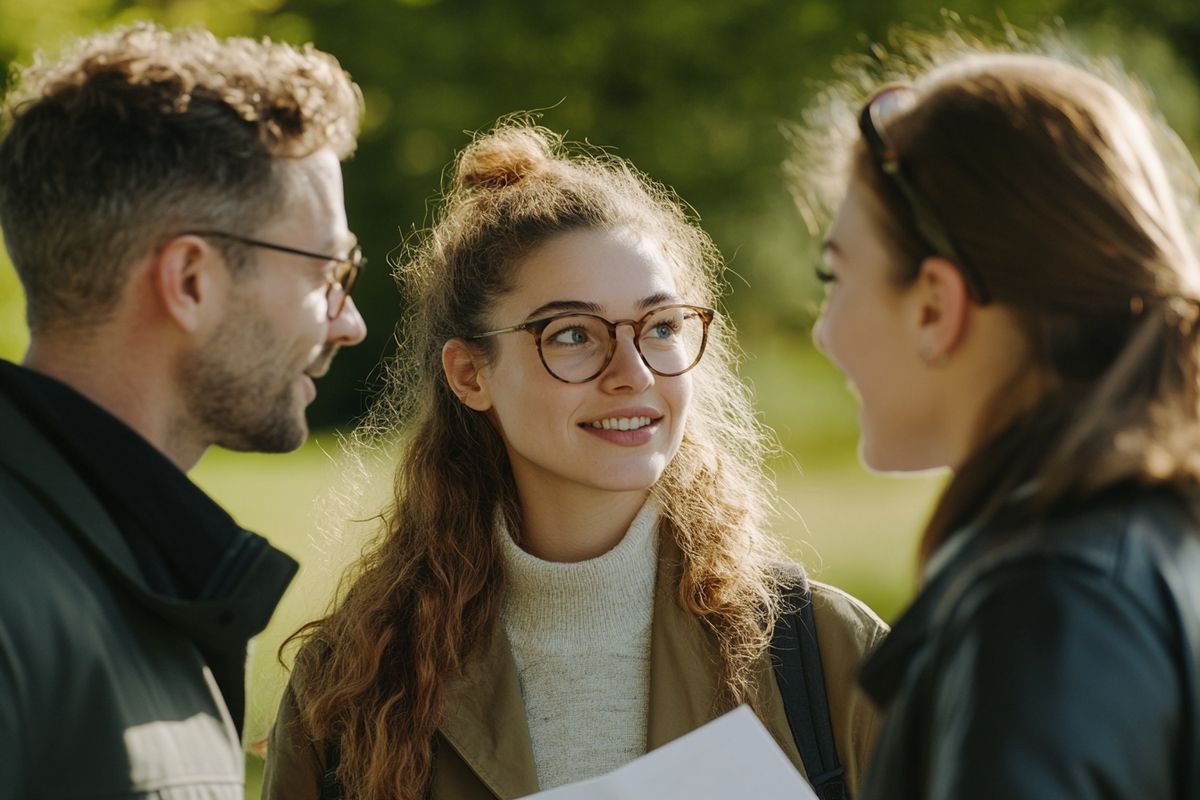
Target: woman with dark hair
{"points": [[1013, 291], [574, 568]]}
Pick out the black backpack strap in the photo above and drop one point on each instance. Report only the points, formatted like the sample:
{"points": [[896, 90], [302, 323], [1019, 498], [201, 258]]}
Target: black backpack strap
{"points": [[331, 787], [797, 661]]}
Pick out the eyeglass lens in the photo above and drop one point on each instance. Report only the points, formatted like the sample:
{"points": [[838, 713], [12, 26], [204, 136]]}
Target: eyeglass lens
{"points": [[577, 347], [345, 276]]}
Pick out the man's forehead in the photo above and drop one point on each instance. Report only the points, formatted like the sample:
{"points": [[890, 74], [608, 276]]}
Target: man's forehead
{"points": [[315, 205]]}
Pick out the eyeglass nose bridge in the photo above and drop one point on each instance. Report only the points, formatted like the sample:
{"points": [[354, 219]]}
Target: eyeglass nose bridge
{"points": [[636, 327]]}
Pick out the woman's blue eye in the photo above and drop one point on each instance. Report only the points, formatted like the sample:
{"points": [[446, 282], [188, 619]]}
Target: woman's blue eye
{"points": [[570, 336], [663, 330]]}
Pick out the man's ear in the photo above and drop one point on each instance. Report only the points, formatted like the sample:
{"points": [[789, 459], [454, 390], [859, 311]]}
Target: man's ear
{"points": [[186, 274], [944, 307], [462, 365]]}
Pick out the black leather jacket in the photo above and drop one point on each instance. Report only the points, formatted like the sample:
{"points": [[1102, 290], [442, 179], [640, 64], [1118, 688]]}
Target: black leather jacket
{"points": [[1055, 661]]}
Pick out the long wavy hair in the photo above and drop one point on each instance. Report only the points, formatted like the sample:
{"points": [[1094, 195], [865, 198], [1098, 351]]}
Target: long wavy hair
{"points": [[372, 672], [1076, 204]]}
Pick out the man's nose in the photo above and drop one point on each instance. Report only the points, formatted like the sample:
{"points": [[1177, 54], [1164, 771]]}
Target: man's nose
{"points": [[348, 327]]}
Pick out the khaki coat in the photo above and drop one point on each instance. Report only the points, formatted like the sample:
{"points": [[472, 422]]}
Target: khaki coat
{"points": [[483, 751]]}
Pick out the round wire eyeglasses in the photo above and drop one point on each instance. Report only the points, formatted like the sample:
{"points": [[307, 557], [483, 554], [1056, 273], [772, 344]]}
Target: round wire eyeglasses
{"points": [[345, 271]]}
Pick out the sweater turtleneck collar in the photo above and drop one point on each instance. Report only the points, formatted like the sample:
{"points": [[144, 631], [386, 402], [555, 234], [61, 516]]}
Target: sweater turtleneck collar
{"points": [[591, 597]]}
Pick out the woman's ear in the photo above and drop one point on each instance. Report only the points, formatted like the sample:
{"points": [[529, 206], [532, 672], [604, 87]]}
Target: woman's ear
{"points": [[943, 312], [462, 365]]}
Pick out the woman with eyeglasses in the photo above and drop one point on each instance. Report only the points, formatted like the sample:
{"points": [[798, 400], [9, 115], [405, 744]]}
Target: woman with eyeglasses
{"points": [[1014, 293], [575, 567]]}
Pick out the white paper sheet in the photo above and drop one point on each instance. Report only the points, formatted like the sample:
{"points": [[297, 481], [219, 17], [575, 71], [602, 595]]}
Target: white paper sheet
{"points": [[731, 758]]}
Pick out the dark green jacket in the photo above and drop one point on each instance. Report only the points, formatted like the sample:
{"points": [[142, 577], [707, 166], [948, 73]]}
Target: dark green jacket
{"points": [[107, 689]]}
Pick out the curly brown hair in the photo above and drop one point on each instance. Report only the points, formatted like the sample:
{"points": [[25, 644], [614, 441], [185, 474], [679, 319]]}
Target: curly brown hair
{"points": [[134, 132], [371, 674]]}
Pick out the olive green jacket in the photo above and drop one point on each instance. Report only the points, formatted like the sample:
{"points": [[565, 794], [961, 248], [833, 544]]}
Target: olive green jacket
{"points": [[483, 749], [104, 689]]}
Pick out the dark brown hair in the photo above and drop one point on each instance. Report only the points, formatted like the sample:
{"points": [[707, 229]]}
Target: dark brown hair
{"points": [[371, 673], [1052, 178], [136, 132]]}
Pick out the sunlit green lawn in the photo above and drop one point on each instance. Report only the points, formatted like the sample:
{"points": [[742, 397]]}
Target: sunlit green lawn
{"points": [[849, 527]]}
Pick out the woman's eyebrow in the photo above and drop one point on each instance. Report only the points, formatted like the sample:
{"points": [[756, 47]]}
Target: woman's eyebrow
{"points": [[558, 306], [658, 299]]}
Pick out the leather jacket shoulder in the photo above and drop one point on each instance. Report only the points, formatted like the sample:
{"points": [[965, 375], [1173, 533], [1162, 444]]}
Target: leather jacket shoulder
{"points": [[1057, 660]]}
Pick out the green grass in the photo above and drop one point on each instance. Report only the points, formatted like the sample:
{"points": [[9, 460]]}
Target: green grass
{"points": [[849, 527]]}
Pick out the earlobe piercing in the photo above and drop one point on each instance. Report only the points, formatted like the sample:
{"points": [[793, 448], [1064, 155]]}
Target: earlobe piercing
{"points": [[933, 359]]}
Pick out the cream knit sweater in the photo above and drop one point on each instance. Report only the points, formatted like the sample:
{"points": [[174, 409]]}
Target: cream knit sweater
{"points": [[580, 636]]}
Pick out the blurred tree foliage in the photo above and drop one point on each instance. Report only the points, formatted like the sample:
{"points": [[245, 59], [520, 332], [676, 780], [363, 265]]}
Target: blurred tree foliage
{"points": [[694, 93]]}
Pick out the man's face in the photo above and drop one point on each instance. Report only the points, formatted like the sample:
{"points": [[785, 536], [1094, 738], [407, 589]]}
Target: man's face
{"points": [[248, 384]]}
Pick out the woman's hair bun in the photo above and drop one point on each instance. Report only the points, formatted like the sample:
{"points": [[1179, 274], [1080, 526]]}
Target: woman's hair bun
{"points": [[503, 157]]}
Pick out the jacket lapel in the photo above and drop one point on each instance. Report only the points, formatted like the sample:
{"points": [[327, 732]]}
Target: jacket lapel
{"points": [[684, 670], [484, 719]]}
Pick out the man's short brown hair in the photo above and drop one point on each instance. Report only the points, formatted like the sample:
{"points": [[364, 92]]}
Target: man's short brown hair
{"points": [[136, 133]]}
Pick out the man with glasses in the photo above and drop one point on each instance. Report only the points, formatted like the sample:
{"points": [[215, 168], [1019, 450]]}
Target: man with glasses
{"points": [[173, 206]]}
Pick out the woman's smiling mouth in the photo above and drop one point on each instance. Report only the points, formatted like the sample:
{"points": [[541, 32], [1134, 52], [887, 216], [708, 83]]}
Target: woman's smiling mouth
{"points": [[626, 426], [620, 423]]}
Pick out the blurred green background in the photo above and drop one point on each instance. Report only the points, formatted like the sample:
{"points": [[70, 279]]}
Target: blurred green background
{"points": [[694, 93]]}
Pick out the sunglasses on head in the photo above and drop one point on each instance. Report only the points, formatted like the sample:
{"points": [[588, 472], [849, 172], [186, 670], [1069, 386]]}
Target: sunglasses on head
{"points": [[886, 104]]}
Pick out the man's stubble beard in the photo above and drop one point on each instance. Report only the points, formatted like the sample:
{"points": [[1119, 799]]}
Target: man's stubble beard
{"points": [[241, 388]]}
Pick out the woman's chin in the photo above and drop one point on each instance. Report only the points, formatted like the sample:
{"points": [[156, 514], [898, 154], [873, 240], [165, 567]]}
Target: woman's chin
{"points": [[893, 460]]}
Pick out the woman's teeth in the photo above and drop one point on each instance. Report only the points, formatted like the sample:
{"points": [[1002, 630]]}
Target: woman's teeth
{"points": [[621, 423]]}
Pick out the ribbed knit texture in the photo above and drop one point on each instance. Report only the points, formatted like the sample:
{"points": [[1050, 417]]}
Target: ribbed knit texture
{"points": [[580, 636]]}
